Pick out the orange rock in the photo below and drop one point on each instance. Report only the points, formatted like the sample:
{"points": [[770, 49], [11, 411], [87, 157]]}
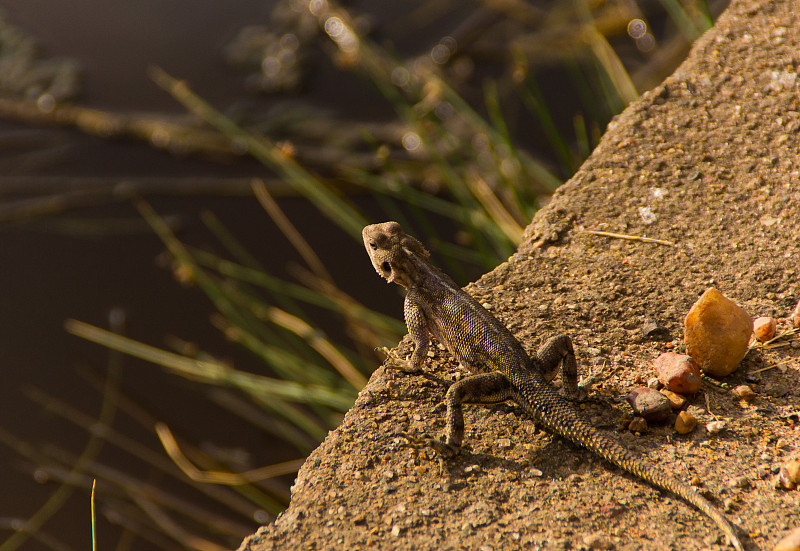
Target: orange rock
{"points": [[789, 475], [764, 328], [685, 423], [676, 401], [745, 393], [716, 332], [791, 542], [638, 424], [678, 372]]}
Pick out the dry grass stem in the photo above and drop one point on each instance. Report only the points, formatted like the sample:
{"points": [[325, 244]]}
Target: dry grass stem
{"points": [[217, 477], [631, 237]]}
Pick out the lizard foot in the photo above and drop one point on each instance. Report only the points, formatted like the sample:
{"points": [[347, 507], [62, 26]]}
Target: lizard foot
{"points": [[577, 394], [592, 378], [580, 392], [443, 448], [394, 361], [413, 441]]}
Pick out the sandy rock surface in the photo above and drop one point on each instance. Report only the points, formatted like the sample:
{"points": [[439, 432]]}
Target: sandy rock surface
{"points": [[713, 154]]}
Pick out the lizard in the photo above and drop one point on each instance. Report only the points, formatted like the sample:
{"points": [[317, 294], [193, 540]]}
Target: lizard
{"points": [[435, 306]]}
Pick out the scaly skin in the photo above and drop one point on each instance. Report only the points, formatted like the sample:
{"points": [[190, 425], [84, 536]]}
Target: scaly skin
{"points": [[436, 307]]}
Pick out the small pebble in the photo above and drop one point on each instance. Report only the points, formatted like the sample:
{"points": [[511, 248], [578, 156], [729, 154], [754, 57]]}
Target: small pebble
{"points": [[793, 467], [676, 401], [715, 427], [638, 424], [360, 518], [796, 315], [649, 403], [739, 482], [685, 423], [652, 330], [789, 475], [574, 479], [784, 480], [791, 542], [678, 372], [598, 541], [751, 377], [745, 393], [764, 328], [531, 450], [653, 383]]}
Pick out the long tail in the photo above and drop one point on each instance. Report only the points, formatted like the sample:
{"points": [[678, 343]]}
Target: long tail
{"points": [[624, 459], [559, 416]]}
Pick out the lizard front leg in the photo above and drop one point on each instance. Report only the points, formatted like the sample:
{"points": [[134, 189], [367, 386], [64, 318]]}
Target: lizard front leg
{"points": [[419, 333], [483, 388]]}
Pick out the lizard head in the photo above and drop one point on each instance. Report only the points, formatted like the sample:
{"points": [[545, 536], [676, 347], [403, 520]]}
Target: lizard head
{"points": [[389, 249]]}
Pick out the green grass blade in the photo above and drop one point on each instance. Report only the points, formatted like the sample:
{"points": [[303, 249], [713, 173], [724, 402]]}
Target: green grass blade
{"points": [[91, 512], [534, 101], [281, 287], [329, 204], [258, 386]]}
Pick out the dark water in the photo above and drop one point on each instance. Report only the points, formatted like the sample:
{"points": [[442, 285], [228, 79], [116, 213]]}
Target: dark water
{"points": [[51, 270]]}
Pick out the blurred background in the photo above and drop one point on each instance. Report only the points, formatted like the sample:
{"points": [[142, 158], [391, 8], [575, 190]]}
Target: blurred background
{"points": [[187, 306]]}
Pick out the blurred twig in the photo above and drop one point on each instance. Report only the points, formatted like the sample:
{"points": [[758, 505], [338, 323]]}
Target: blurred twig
{"points": [[217, 477]]}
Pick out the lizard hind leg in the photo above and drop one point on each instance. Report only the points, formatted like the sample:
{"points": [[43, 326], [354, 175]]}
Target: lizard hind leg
{"points": [[482, 388], [558, 350]]}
